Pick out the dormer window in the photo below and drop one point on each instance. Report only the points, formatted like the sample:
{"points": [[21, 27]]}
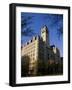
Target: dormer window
{"points": [[31, 40]]}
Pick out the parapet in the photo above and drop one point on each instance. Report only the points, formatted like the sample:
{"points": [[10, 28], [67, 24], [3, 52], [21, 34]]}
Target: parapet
{"points": [[30, 41]]}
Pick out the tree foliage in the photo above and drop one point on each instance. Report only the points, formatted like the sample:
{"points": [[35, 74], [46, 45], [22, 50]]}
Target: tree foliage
{"points": [[26, 26], [24, 65], [49, 69]]}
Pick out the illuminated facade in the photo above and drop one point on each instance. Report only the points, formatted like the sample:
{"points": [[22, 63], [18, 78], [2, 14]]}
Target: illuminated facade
{"points": [[38, 48]]}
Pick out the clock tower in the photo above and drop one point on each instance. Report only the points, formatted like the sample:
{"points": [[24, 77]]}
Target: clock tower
{"points": [[45, 35]]}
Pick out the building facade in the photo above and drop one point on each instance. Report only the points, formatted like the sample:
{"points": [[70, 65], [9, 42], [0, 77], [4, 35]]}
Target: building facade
{"points": [[39, 49]]}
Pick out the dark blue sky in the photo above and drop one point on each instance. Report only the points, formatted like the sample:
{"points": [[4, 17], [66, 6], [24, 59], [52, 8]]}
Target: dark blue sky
{"points": [[35, 21]]}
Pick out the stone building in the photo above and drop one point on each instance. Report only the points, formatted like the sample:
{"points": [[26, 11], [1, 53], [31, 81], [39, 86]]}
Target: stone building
{"points": [[39, 48]]}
